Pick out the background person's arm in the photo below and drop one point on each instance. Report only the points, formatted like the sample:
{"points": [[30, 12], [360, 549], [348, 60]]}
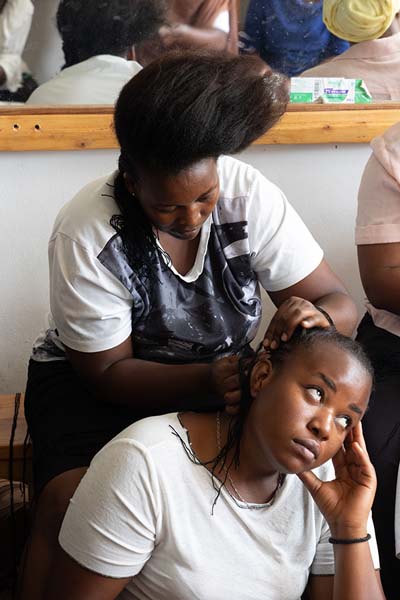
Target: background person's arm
{"points": [[380, 274], [185, 36], [378, 224]]}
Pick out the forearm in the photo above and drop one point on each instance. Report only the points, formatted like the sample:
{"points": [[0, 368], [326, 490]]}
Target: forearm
{"points": [[355, 576], [155, 388], [342, 310], [185, 36]]}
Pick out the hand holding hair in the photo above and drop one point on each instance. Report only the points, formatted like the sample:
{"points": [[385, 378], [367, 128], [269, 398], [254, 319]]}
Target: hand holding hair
{"points": [[346, 501], [226, 383], [291, 313]]}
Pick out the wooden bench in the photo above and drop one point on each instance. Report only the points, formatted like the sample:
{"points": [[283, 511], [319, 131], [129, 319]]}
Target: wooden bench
{"points": [[20, 467]]}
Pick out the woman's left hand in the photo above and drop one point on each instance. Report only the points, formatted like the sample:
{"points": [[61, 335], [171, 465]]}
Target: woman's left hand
{"points": [[292, 312], [346, 501]]}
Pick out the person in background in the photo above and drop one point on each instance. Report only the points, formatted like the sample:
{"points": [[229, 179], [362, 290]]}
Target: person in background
{"points": [[97, 45], [201, 24], [208, 505], [155, 274], [378, 244], [373, 28], [289, 35], [16, 82]]}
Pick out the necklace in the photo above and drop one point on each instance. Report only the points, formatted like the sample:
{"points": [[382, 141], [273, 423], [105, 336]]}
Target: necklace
{"points": [[281, 477]]}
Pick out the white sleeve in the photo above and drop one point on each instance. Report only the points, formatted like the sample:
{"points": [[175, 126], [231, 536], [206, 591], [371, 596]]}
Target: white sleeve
{"points": [[92, 310], [111, 523], [282, 248]]}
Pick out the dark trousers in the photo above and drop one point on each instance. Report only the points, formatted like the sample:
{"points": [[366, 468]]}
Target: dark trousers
{"points": [[381, 426]]}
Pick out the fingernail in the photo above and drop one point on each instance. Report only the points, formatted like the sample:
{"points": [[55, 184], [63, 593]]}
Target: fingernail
{"points": [[274, 345], [284, 337]]}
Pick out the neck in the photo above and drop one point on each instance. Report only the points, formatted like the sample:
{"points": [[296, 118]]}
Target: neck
{"points": [[394, 28], [254, 477]]}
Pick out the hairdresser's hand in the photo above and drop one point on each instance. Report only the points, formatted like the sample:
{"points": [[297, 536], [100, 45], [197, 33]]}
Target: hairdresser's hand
{"points": [[291, 313], [346, 501], [225, 382], [172, 36]]}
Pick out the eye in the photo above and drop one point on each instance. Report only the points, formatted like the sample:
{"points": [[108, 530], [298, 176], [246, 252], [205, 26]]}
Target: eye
{"points": [[205, 199], [344, 421], [165, 209], [315, 393]]}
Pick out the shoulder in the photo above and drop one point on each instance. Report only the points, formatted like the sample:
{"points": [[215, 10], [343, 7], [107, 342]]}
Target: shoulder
{"points": [[85, 219], [151, 433], [241, 180]]}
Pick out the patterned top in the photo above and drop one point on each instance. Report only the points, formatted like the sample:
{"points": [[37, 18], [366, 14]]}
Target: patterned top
{"points": [[97, 301]]}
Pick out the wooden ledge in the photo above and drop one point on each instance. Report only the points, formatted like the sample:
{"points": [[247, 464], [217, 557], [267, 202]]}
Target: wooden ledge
{"points": [[82, 127]]}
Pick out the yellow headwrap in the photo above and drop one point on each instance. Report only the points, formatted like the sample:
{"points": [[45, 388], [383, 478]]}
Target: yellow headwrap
{"points": [[359, 20]]}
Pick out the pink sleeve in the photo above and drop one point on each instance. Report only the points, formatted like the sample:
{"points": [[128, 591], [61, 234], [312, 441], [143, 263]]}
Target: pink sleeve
{"points": [[378, 217]]}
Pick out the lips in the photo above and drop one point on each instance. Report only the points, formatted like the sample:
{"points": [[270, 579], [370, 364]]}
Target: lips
{"points": [[308, 448]]}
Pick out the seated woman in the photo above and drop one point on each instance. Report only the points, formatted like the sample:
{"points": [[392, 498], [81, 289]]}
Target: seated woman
{"points": [[194, 24], [378, 243], [97, 46], [373, 27], [16, 82], [155, 274], [206, 506], [289, 35]]}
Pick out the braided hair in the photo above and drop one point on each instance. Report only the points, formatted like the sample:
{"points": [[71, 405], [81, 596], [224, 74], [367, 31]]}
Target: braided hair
{"points": [[301, 339]]}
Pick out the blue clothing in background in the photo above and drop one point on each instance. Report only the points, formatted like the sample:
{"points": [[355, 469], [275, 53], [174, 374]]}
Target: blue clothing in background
{"points": [[289, 35]]}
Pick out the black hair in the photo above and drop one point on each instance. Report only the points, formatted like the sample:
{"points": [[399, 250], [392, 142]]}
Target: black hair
{"points": [[92, 27], [301, 339], [180, 109]]}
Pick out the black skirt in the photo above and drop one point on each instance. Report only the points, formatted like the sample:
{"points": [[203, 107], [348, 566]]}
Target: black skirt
{"points": [[381, 426], [66, 423]]}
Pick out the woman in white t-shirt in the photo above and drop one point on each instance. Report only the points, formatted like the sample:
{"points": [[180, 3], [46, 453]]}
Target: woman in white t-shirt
{"points": [[155, 274], [213, 506]]}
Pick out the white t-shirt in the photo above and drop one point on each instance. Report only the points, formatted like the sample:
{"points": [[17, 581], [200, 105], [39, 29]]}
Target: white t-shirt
{"points": [[15, 23], [97, 80], [253, 236], [144, 510]]}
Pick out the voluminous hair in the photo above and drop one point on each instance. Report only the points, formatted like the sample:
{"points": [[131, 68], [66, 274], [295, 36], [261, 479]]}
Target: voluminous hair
{"points": [[179, 110], [92, 27], [185, 107]]}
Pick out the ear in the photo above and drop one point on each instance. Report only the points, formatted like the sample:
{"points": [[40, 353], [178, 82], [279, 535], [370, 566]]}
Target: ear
{"points": [[130, 184], [261, 374]]}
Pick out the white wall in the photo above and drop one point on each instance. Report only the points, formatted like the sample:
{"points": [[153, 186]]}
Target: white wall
{"points": [[320, 181]]}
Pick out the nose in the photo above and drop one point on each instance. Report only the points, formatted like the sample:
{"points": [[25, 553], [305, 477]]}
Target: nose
{"points": [[321, 423], [190, 216]]}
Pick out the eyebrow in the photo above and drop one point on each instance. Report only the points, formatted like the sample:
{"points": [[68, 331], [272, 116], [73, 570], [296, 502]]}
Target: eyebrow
{"points": [[356, 409], [332, 386], [328, 381]]}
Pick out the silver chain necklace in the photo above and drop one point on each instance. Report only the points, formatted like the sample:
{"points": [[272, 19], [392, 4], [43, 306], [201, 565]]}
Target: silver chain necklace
{"points": [[240, 497]]}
